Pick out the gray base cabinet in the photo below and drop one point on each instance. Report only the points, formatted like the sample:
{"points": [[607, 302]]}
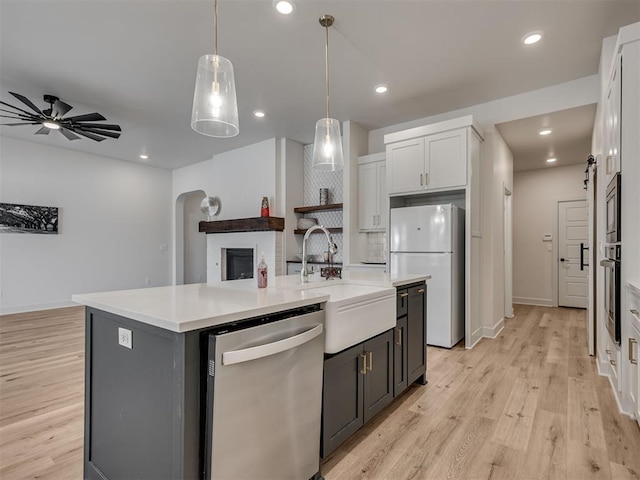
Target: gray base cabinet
{"points": [[360, 381], [416, 334]]}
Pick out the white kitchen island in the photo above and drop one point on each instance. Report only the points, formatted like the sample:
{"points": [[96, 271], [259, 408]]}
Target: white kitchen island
{"points": [[146, 392]]}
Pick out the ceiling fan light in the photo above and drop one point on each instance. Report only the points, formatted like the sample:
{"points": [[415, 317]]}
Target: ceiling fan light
{"points": [[327, 146], [215, 108], [51, 125]]}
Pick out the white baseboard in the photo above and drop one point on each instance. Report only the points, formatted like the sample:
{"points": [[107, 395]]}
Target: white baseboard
{"points": [[541, 302], [477, 335], [36, 307], [493, 332]]}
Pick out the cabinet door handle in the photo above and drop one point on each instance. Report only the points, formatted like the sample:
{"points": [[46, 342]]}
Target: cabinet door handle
{"points": [[420, 179], [420, 290], [426, 179], [402, 295], [374, 219], [378, 219], [363, 371], [399, 336], [632, 342], [370, 355]]}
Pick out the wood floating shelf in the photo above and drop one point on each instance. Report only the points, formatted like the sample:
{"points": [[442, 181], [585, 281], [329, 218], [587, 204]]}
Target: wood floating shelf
{"points": [[257, 224], [331, 230], [318, 208]]}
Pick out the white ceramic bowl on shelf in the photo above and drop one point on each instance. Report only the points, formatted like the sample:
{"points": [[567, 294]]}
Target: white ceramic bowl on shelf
{"points": [[305, 223]]}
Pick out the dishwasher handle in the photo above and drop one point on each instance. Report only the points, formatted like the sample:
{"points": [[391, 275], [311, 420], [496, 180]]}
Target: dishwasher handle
{"points": [[260, 351]]}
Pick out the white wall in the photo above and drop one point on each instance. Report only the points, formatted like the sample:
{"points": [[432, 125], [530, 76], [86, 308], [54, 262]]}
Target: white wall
{"points": [[240, 178], [497, 174], [535, 197], [114, 216]]}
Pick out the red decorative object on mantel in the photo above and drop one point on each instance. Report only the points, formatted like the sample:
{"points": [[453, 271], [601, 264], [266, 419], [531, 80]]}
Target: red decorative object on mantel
{"points": [[264, 210]]}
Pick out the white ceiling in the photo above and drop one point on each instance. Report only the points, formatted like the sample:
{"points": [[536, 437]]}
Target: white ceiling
{"points": [[135, 61], [569, 142]]}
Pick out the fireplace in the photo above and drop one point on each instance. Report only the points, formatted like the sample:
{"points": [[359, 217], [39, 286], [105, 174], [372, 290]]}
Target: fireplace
{"points": [[238, 263]]}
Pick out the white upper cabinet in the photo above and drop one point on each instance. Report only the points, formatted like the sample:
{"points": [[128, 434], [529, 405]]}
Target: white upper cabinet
{"points": [[432, 162], [372, 192], [406, 166]]}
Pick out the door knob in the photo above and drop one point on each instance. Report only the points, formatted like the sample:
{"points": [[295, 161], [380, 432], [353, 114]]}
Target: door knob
{"points": [[562, 259]]}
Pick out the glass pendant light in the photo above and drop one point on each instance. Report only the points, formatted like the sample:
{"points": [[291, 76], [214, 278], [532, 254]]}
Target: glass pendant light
{"points": [[215, 109], [327, 146]]}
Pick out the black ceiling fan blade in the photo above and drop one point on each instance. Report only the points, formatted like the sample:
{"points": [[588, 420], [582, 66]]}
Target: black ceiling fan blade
{"points": [[97, 131], [43, 131], [27, 102], [14, 124], [92, 136], [60, 109], [102, 126], [87, 117], [68, 134], [17, 108], [21, 117]]}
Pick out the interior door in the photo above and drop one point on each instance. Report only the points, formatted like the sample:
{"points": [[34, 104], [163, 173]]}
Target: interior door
{"points": [[572, 242]]}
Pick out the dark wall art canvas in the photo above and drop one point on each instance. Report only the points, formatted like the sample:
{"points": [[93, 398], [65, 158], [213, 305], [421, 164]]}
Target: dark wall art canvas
{"points": [[28, 219]]}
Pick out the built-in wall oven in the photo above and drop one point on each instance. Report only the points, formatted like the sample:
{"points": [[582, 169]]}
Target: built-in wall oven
{"points": [[612, 290], [614, 203]]}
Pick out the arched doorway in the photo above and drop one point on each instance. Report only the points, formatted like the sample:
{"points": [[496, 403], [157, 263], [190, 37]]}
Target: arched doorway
{"points": [[191, 245]]}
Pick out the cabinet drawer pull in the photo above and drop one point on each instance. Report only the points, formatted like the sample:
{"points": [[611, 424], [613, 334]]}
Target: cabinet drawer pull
{"points": [[612, 362], [608, 352], [363, 371], [370, 367], [632, 342], [634, 311], [421, 290], [399, 336], [404, 294]]}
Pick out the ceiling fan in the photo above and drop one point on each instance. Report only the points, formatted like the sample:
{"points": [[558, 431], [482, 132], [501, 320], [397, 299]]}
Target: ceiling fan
{"points": [[52, 119]]}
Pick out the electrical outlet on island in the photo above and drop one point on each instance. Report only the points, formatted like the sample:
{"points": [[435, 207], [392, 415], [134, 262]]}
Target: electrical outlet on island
{"points": [[125, 337]]}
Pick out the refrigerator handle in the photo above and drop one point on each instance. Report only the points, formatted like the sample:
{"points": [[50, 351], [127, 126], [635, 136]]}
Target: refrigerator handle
{"points": [[253, 353]]}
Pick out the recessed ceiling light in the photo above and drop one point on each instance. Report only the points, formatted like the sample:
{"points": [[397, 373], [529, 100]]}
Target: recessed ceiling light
{"points": [[284, 7], [259, 114], [551, 160], [544, 132], [381, 89], [51, 125], [531, 38], [143, 156]]}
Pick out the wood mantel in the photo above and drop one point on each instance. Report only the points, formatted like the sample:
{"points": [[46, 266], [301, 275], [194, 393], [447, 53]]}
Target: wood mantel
{"points": [[257, 224]]}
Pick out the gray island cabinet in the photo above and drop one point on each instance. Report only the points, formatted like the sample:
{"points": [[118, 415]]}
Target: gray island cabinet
{"points": [[363, 379], [158, 394]]}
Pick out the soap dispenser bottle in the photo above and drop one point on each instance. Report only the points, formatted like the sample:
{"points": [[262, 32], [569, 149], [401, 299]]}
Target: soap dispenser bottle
{"points": [[262, 272]]}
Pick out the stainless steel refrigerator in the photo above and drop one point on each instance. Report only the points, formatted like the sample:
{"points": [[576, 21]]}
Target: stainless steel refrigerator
{"points": [[429, 239]]}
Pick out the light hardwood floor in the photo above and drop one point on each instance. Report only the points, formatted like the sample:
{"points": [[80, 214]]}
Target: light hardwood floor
{"points": [[527, 405]]}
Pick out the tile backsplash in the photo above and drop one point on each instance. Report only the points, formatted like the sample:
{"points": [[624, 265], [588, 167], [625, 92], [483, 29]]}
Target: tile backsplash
{"points": [[314, 180], [377, 247]]}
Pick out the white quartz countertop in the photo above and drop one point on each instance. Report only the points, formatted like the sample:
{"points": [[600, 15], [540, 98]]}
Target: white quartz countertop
{"points": [[184, 308]]}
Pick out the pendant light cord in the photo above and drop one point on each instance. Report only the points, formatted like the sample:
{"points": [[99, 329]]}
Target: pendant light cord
{"points": [[215, 27], [326, 65]]}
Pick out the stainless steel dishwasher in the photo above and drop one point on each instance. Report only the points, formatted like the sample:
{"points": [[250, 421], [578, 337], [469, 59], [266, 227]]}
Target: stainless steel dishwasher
{"points": [[264, 395]]}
